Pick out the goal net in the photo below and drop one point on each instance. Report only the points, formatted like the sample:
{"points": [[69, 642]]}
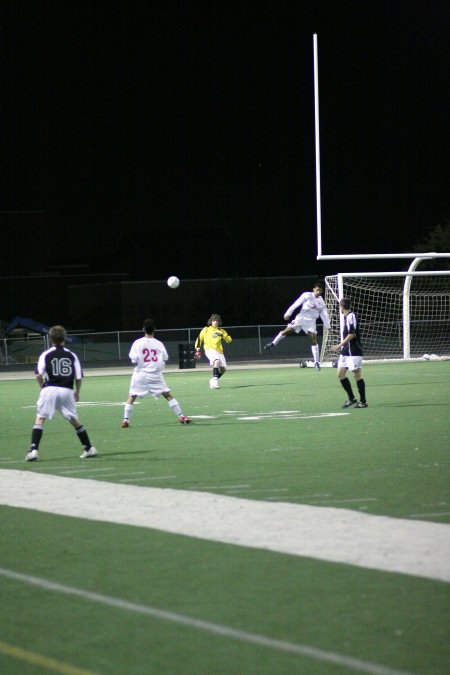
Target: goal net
{"points": [[401, 315]]}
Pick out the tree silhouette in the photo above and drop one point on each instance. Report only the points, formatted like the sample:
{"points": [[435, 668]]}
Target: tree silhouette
{"points": [[436, 241]]}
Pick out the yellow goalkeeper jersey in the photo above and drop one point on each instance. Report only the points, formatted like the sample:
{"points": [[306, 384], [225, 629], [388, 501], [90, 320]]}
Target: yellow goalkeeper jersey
{"points": [[211, 338]]}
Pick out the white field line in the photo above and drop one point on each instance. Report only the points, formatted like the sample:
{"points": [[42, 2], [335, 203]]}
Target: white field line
{"points": [[259, 490], [206, 626], [84, 469], [216, 487], [326, 533], [117, 474], [203, 368], [258, 418], [278, 414], [146, 478], [344, 501], [56, 467]]}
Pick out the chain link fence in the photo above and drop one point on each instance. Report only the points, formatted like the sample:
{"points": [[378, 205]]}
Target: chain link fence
{"points": [[112, 348]]}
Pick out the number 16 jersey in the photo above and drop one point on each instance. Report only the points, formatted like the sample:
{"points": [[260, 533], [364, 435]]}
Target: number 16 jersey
{"points": [[59, 367]]}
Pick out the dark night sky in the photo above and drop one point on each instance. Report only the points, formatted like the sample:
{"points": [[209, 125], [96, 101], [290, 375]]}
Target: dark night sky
{"points": [[178, 137]]}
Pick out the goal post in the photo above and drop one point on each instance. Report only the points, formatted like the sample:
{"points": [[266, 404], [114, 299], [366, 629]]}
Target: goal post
{"points": [[402, 315]]}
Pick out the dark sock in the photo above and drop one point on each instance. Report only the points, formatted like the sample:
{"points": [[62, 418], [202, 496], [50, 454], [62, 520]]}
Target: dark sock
{"points": [[220, 375], [36, 436], [362, 390], [216, 372], [348, 388], [83, 436]]}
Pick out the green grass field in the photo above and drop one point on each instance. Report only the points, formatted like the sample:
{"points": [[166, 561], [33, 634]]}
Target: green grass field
{"points": [[84, 596]]}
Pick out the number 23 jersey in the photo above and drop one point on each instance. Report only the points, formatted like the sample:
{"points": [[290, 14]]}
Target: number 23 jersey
{"points": [[149, 355]]}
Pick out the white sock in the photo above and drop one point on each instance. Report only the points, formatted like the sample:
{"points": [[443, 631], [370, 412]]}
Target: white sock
{"points": [[173, 403], [127, 411], [315, 353], [278, 339]]}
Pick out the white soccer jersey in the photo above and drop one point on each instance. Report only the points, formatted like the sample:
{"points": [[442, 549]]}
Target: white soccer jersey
{"points": [[312, 307], [149, 355]]}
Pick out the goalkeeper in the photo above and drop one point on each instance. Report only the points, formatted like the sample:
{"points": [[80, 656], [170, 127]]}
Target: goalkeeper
{"points": [[211, 339]]}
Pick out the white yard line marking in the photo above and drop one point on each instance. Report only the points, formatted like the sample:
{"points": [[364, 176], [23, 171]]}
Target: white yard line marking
{"points": [[281, 415], [327, 533], [345, 501], [258, 418], [85, 469], [319, 494], [216, 487], [203, 417], [147, 478], [267, 490], [115, 473], [206, 626], [38, 467]]}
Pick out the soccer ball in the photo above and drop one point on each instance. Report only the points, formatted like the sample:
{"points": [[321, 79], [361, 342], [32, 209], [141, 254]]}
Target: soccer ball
{"points": [[173, 282]]}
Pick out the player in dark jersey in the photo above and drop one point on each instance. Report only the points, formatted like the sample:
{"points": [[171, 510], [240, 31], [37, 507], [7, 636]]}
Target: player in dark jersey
{"points": [[57, 371], [351, 354]]}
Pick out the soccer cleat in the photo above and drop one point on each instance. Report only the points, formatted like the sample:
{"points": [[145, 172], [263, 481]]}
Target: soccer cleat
{"points": [[348, 403], [317, 365], [269, 345], [89, 453], [184, 419], [125, 424], [32, 456], [361, 405], [214, 383]]}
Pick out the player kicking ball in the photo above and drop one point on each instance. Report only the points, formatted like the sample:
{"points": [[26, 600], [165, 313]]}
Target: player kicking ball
{"points": [[312, 307]]}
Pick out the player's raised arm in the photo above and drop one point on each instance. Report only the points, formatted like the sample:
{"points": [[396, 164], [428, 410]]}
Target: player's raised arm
{"points": [[300, 300]]}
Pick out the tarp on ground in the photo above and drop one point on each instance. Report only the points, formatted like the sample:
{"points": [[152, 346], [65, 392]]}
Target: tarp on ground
{"points": [[25, 322]]}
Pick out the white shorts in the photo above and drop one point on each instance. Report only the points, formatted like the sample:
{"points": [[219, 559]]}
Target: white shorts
{"points": [[304, 324], [143, 384], [57, 398], [214, 355], [351, 362]]}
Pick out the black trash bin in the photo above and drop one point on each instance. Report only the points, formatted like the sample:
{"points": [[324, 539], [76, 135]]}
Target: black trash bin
{"points": [[186, 356]]}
